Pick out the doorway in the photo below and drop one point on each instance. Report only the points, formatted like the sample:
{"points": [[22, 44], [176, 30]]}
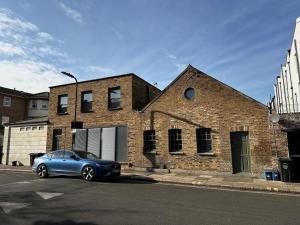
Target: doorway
{"points": [[240, 152]]}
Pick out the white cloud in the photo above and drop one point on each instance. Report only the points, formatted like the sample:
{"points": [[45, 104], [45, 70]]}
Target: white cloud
{"points": [[100, 69], [10, 50], [117, 34], [71, 13], [171, 56], [44, 37], [30, 76]]}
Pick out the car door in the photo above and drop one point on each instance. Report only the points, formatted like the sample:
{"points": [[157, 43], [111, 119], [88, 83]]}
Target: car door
{"points": [[72, 163], [55, 163]]}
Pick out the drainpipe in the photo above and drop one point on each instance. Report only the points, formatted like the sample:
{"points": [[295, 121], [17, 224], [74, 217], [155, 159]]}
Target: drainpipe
{"points": [[8, 146], [296, 101], [276, 100], [284, 91], [291, 85], [297, 59], [280, 90], [278, 94]]}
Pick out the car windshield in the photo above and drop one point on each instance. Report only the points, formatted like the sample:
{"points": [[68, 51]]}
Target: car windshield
{"points": [[86, 155]]}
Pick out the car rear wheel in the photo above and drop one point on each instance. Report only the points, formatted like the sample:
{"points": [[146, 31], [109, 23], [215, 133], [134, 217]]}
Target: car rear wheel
{"points": [[88, 173], [42, 171]]}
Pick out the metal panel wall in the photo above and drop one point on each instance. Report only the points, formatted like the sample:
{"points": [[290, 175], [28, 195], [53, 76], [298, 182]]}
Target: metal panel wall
{"points": [[94, 141], [121, 151], [108, 143], [80, 139]]}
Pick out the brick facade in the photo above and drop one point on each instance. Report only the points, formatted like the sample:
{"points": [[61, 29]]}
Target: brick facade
{"points": [[133, 98], [215, 106]]}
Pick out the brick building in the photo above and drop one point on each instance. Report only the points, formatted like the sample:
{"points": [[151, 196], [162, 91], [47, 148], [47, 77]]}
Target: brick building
{"points": [[197, 122], [16, 106]]}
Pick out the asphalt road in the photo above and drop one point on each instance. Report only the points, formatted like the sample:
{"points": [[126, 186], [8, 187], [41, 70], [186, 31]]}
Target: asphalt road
{"points": [[25, 199]]}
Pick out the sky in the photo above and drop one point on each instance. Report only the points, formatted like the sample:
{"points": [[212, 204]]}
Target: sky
{"points": [[239, 42]]}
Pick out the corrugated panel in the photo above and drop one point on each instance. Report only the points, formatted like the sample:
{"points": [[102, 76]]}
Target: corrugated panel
{"points": [[108, 143], [80, 139], [94, 141], [121, 153]]}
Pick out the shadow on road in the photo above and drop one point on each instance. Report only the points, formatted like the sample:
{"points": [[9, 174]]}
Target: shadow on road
{"points": [[66, 222]]}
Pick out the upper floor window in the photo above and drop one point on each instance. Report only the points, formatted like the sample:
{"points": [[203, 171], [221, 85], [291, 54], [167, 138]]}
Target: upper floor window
{"points": [[62, 106], [7, 101], [149, 140], [86, 101], [203, 136], [175, 140], [34, 104], [114, 98], [44, 106]]}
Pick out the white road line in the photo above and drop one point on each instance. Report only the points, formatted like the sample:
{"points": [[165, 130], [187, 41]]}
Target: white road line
{"points": [[7, 207], [230, 190], [48, 195]]}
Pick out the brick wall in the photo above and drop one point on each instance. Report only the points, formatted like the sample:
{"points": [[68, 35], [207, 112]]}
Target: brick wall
{"points": [[214, 106], [101, 115]]}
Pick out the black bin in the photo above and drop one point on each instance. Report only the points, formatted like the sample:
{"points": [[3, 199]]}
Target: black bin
{"points": [[286, 169], [33, 156]]}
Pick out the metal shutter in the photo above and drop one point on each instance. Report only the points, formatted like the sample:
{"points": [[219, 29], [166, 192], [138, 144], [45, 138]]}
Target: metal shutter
{"points": [[80, 140], [121, 154], [94, 141], [108, 143]]}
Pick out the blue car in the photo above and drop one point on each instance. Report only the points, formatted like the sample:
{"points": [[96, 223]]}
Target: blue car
{"points": [[66, 162]]}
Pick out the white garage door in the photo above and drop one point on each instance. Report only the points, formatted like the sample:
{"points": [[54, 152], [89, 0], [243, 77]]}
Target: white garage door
{"points": [[108, 145]]}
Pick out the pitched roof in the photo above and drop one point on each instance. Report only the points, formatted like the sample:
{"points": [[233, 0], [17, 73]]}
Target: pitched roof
{"points": [[190, 67], [23, 94], [14, 92]]}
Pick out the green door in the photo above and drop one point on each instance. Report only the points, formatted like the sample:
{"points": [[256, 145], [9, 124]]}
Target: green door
{"points": [[240, 152]]}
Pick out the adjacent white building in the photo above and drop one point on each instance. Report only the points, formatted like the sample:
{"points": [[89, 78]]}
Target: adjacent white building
{"points": [[287, 86]]}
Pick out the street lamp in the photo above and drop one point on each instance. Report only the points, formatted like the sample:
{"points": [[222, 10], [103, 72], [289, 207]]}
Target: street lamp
{"points": [[72, 76]]}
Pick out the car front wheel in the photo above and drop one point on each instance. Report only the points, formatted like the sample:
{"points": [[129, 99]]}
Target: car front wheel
{"points": [[42, 171], [88, 173]]}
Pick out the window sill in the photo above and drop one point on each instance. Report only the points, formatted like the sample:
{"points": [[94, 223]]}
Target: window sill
{"points": [[207, 154], [176, 153], [114, 109], [151, 153], [62, 114], [91, 111]]}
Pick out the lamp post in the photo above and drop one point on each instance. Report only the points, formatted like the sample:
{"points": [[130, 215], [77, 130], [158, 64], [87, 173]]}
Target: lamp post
{"points": [[72, 76]]}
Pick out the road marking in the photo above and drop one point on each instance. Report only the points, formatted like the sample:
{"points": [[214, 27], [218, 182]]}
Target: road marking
{"points": [[23, 182], [7, 207], [231, 190], [48, 195]]}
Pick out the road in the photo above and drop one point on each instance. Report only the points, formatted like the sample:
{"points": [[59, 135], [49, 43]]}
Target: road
{"points": [[26, 199]]}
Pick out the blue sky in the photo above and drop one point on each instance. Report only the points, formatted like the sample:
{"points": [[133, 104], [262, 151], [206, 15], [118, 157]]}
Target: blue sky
{"points": [[239, 42]]}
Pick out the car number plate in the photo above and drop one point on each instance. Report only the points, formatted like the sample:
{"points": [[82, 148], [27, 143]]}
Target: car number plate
{"points": [[115, 170]]}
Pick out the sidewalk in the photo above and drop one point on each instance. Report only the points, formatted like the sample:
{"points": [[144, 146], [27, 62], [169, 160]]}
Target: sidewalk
{"points": [[229, 181]]}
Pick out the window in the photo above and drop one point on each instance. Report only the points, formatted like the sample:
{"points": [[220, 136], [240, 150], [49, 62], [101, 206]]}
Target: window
{"points": [[41, 128], [189, 93], [44, 105], [86, 101], [203, 136], [149, 140], [68, 154], [34, 104], [175, 141], [7, 101], [5, 119], [28, 128], [114, 98], [58, 155], [34, 128], [22, 129], [62, 104], [57, 139]]}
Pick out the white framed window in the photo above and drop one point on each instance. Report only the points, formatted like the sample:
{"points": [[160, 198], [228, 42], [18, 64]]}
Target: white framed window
{"points": [[28, 128], [41, 128], [34, 104], [7, 101], [4, 120], [44, 106], [22, 129], [34, 128]]}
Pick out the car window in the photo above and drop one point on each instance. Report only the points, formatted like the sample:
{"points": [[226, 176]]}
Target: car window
{"points": [[68, 154], [57, 155]]}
